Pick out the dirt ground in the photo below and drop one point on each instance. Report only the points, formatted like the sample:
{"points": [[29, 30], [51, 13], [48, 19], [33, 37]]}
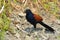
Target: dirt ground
{"points": [[23, 30]]}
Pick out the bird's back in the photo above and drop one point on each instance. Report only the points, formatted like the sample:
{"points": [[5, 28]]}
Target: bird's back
{"points": [[38, 18]]}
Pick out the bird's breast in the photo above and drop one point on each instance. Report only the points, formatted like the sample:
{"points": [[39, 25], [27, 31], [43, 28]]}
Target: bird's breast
{"points": [[30, 18]]}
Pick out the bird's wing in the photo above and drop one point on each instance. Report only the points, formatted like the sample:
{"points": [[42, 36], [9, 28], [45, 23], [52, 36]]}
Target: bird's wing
{"points": [[37, 17]]}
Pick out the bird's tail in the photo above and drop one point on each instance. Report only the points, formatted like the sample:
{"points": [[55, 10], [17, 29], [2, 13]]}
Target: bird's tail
{"points": [[46, 26]]}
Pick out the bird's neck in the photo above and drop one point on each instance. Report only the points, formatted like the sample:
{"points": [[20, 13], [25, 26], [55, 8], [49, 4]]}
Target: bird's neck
{"points": [[29, 13]]}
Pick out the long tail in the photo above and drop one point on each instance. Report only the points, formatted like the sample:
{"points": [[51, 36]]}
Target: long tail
{"points": [[46, 26]]}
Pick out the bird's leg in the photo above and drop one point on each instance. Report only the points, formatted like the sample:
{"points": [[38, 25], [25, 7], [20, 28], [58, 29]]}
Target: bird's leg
{"points": [[34, 25]]}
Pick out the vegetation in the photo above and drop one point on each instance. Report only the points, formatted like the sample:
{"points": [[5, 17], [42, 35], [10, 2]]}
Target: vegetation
{"points": [[4, 20]]}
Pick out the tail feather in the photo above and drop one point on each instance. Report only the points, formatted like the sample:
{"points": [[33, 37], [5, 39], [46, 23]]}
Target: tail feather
{"points": [[46, 26]]}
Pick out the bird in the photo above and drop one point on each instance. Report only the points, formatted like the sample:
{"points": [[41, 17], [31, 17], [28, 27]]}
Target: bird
{"points": [[34, 19]]}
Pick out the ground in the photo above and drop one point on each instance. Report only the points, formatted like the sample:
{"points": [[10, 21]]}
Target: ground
{"points": [[20, 29]]}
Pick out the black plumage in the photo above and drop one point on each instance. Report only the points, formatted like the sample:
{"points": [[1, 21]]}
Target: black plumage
{"points": [[34, 19]]}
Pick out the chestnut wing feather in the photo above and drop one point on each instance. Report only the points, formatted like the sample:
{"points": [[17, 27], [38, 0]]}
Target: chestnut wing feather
{"points": [[38, 18]]}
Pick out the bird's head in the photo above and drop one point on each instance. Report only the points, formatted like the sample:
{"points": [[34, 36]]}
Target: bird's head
{"points": [[27, 11]]}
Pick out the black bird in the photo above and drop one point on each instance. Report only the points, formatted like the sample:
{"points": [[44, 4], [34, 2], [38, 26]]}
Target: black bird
{"points": [[34, 19]]}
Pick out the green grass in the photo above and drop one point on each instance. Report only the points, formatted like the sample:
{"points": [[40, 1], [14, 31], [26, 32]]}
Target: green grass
{"points": [[4, 20], [34, 0]]}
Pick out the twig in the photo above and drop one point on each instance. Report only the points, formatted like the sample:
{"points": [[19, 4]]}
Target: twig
{"points": [[42, 4], [43, 36], [15, 6], [2, 9], [25, 3], [22, 30]]}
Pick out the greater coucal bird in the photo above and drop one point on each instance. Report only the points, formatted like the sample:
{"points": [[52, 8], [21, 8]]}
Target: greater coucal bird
{"points": [[34, 19]]}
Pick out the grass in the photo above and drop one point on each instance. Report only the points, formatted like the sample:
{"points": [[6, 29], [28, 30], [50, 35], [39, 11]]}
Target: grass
{"points": [[4, 20]]}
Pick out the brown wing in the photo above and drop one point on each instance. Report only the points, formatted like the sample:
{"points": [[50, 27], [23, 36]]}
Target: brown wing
{"points": [[38, 18]]}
